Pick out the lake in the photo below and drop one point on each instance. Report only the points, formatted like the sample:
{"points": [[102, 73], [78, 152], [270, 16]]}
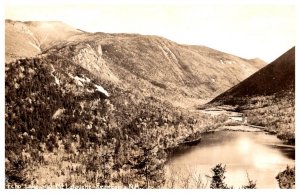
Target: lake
{"points": [[259, 155]]}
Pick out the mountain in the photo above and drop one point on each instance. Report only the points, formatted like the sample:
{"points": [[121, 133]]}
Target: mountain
{"points": [[27, 39], [150, 64], [99, 110], [267, 97], [274, 79]]}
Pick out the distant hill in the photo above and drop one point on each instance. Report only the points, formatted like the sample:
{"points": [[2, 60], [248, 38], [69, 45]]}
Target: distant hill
{"points": [[150, 64]]}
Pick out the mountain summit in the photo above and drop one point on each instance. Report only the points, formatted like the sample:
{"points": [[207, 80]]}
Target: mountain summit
{"points": [[27, 39]]}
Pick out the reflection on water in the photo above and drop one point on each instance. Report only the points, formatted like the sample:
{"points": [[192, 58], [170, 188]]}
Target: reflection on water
{"points": [[263, 156]]}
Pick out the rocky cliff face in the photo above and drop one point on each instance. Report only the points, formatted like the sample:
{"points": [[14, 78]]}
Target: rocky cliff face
{"points": [[89, 56]]}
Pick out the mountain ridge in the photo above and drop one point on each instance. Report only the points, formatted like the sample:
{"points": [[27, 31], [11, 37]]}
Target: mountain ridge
{"points": [[181, 74]]}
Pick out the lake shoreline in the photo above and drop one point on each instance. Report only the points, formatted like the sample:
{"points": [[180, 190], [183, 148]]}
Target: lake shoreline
{"points": [[261, 154], [181, 147]]}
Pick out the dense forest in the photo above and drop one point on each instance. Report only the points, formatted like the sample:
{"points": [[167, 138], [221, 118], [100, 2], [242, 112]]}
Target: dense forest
{"points": [[61, 131]]}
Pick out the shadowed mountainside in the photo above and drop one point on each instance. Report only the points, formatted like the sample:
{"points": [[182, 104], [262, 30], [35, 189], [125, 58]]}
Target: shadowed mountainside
{"points": [[275, 78]]}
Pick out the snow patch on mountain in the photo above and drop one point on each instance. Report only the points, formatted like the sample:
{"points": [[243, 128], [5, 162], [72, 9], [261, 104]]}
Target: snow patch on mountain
{"points": [[84, 80], [102, 90], [58, 113], [52, 71]]}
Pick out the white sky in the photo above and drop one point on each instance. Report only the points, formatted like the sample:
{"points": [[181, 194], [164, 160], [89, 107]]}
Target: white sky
{"points": [[248, 30]]}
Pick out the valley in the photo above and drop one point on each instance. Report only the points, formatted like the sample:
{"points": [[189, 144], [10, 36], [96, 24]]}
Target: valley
{"points": [[104, 110]]}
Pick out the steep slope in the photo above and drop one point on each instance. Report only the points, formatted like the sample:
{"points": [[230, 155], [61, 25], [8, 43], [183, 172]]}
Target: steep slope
{"points": [[276, 78], [268, 97], [150, 64]]}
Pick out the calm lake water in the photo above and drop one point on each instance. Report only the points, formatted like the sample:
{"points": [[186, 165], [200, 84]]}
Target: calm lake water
{"points": [[260, 155]]}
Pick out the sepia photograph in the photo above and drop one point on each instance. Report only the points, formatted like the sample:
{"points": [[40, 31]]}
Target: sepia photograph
{"points": [[149, 94]]}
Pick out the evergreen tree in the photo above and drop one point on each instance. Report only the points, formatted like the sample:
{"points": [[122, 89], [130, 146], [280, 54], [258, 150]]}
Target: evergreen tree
{"points": [[286, 178], [218, 177]]}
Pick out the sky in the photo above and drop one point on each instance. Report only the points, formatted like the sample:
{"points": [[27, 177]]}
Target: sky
{"points": [[248, 30]]}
